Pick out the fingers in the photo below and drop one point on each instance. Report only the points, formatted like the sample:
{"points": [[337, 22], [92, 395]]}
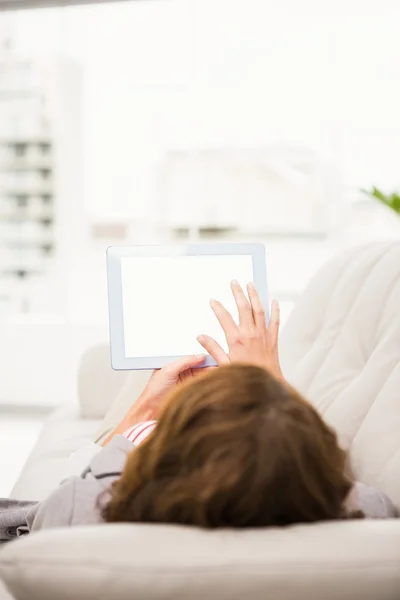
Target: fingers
{"points": [[201, 371], [185, 375], [257, 308], [191, 374], [243, 305], [274, 322], [186, 362], [225, 320], [214, 349]]}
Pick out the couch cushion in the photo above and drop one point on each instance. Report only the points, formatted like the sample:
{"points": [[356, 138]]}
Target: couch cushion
{"points": [[334, 561], [63, 433], [341, 348]]}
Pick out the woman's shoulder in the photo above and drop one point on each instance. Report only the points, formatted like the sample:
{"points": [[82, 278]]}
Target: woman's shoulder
{"points": [[374, 504], [73, 502], [78, 500]]}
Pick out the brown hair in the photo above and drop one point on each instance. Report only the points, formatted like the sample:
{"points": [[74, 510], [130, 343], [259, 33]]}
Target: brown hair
{"points": [[235, 448]]}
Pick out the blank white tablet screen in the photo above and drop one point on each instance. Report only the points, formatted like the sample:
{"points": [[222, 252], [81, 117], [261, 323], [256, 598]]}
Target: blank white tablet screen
{"points": [[166, 301]]}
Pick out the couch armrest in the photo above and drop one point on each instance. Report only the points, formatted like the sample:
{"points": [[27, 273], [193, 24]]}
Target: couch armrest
{"points": [[98, 383], [351, 560]]}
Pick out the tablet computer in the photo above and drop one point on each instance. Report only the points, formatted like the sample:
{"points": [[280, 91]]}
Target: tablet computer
{"points": [[159, 298]]}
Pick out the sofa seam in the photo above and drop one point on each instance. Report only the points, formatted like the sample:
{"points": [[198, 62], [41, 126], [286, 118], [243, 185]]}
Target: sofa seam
{"points": [[340, 328], [365, 417], [212, 568]]}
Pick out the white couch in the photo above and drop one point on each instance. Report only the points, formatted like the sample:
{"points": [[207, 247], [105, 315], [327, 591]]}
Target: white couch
{"points": [[341, 348]]}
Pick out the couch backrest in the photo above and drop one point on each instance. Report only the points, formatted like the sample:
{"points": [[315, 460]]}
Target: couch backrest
{"points": [[341, 349], [98, 383]]}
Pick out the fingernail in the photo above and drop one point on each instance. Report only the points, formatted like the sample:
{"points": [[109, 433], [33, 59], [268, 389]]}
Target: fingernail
{"points": [[201, 338], [212, 300], [251, 285], [200, 356], [234, 282]]}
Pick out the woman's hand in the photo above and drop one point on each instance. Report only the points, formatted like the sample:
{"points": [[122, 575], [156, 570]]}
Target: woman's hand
{"points": [[160, 384], [163, 381], [250, 342]]}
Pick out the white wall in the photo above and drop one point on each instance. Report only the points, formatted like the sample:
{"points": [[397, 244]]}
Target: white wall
{"points": [[197, 73]]}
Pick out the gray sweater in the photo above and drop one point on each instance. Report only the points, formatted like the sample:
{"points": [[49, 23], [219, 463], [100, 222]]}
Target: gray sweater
{"points": [[78, 500]]}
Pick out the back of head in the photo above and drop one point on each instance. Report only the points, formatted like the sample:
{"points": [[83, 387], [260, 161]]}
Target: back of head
{"points": [[235, 448]]}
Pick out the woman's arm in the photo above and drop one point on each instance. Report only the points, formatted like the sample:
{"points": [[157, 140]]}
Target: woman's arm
{"points": [[161, 383]]}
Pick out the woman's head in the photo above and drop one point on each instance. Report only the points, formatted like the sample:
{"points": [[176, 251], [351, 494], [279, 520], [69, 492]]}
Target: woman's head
{"points": [[235, 448]]}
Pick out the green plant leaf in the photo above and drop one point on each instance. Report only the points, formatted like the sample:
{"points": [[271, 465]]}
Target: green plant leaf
{"points": [[390, 200], [396, 202]]}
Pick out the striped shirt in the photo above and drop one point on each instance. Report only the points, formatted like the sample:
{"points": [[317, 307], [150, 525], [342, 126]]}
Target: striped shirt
{"points": [[139, 432]]}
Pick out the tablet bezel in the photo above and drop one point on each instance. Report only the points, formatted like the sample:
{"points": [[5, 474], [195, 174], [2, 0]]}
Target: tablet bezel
{"points": [[119, 361]]}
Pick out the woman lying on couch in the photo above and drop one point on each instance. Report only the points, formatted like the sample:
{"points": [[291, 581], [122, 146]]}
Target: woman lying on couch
{"points": [[233, 447]]}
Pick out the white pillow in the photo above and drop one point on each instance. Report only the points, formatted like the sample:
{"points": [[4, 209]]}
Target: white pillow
{"points": [[357, 560]]}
